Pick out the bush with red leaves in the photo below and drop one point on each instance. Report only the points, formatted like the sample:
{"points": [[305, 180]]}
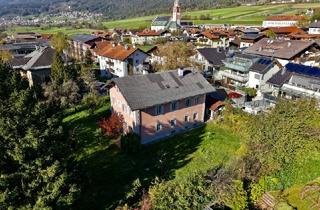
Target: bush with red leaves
{"points": [[113, 125]]}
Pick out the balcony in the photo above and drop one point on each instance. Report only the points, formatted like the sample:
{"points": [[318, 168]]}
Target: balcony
{"points": [[235, 76], [239, 66], [300, 91]]}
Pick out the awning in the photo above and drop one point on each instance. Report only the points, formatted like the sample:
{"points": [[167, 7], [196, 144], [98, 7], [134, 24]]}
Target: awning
{"points": [[217, 105]]}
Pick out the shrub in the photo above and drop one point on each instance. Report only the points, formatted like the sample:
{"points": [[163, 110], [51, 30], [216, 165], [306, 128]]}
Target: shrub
{"points": [[113, 125]]}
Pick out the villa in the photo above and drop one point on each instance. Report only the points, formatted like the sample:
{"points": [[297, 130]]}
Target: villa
{"points": [[156, 106]]}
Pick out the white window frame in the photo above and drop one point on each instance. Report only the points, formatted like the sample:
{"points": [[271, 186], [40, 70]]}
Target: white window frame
{"points": [[160, 127], [186, 118], [174, 123], [195, 116]]}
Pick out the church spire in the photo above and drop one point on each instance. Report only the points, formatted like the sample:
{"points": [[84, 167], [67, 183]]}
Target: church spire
{"points": [[176, 16]]}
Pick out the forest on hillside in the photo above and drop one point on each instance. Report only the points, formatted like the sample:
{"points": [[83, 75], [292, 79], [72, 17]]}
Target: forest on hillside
{"points": [[111, 9]]}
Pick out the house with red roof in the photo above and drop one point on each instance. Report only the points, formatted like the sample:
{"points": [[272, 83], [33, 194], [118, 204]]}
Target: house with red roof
{"points": [[213, 39], [282, 21], [120, 60]]}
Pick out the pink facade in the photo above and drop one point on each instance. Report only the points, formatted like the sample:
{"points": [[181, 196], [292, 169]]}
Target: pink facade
{"points": [[169, 120], [120, 105]]}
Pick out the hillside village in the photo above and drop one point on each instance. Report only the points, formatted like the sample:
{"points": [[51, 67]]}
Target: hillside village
{"points": [[176, 76]]}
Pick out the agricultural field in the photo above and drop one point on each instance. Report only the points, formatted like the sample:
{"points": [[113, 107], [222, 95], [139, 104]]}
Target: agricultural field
{"points": [[48, 30], [244, 15]]}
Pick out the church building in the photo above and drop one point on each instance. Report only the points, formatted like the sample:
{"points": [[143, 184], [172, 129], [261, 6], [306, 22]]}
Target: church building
{"points": [[166, 22]]}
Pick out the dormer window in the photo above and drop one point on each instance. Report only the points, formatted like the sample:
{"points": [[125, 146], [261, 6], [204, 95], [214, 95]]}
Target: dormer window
{"points": [[174, 106], [159, 109], [187, 102]]}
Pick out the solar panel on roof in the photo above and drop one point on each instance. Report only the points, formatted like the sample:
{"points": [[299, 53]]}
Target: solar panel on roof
{"points": [[302, 69]]}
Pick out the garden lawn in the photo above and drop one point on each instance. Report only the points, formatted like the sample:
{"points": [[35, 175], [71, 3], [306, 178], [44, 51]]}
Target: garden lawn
{"points": [[108, 173]]}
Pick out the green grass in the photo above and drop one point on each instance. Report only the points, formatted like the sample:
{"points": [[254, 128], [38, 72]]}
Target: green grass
{"points": [[48, 30], [145, 48], [298, 178], [243, 15], [246, 15], [108, 173]]}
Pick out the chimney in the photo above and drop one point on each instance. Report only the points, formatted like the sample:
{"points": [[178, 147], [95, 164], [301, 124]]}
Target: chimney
{"points": [[113, 44], [126, 47], [180, 72], [289, 44]]}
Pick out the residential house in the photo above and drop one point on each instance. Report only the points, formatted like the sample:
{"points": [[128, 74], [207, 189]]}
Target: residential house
{"points": [[235, 73], [284, 32], [81, 43], [314, 28], [159, 105], [36, 66], [192, 32], [120, 60], [148, 37], [296, 81], [213, 39], [247, 40], [304, 36], [285, 51], [282, 21], [260, 72], [107, 35], [155, 58], [25, 37], [210, 59], [19, 49], [249, 37]]}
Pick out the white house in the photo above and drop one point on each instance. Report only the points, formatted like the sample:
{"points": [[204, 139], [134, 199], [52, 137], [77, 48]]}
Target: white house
{"points": [[296, 81], [213, 39], [314, 28], [148, 37], [121, 60], [260, 72], [281, 21], [210, 59]]}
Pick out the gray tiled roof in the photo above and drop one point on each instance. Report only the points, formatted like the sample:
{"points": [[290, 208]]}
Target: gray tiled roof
{"points": [[161, 21], [284, 49], [315, 24], [262, 66], [83, 37], [252, 36], [213, 56], [280, 78], [40, 58], [142, 91]]}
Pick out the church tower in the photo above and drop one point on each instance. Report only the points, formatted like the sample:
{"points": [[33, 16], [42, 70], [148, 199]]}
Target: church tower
{"points": [[176, 16]]}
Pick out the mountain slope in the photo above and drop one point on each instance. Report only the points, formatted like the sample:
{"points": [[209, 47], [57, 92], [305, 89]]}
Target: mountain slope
{"points": [[112, 9]]}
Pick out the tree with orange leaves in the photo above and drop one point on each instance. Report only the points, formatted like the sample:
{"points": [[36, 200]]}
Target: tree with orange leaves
{"points": [[113, 125]]}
